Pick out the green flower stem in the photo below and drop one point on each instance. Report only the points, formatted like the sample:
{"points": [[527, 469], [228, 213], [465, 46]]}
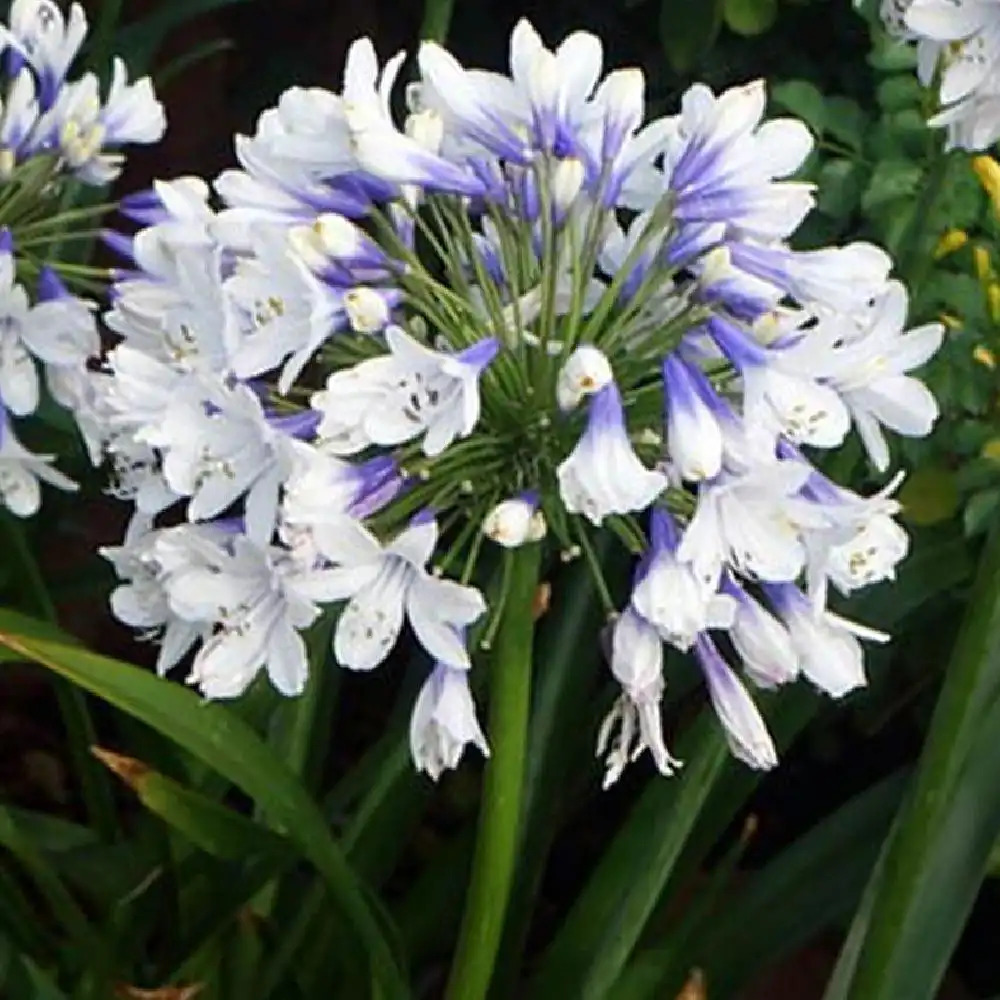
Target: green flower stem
{"points": [[437, 20], [95, 786], [500, 813]]}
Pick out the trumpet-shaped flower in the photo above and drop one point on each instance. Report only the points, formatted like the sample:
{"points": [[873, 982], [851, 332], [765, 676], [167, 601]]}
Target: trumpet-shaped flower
{"points": [[603, 475], [444, 722]]}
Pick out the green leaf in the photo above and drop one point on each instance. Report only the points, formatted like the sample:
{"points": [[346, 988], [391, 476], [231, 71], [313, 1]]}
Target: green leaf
{"points": [[840, 184], [228, 745], [935, 858], [808, 887], [212, 827], [979, 511], [804, 100], [687, 30], [846, 122], [892, 55], [895, 93], [929, 495], [597, 938], [749, 17], [891, 180]]}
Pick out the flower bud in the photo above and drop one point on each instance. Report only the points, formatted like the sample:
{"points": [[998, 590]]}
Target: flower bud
{"points": [[586, 371], [367, 310], [513, 522], [567, 180]]}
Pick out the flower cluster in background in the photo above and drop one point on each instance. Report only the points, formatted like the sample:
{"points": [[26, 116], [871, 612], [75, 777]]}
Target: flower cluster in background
{"points": [[52, 131], [958, 53], [523, 318]]}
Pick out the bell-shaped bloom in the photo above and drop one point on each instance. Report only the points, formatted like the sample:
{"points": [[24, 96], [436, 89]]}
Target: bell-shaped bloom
{"points": [[444, 722], [764, 644], [22, 471], [603, 474], [42, 37], [746, 731], [829, 652], [671, 597], [843, 278], [140, 599], [634, 723]]}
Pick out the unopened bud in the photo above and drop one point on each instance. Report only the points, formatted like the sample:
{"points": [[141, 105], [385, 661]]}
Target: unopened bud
{"points": [[952, 240], [586, 371], [367, 310], [567, 180], [512, 522]]}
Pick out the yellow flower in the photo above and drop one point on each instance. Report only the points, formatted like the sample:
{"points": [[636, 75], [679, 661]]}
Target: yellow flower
{"points": [[988, 171], [985, 356], [984, 267], [993, 301], [952, 240]]}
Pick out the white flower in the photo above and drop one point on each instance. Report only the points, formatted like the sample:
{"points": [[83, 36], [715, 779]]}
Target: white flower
{"points": [[321, 489], [746, 732], [602, 475], [669, 595], [585, 372], [398, 397], [84, 130], [41, 34], [20, 473], [694, 437], [829, 653], [140, 599], [217, 449], [287, 311], [721, 163], [870, 374], [386, 583], [637, 664], [753, 521], [257, 599], [444, 722], [762, 642]]}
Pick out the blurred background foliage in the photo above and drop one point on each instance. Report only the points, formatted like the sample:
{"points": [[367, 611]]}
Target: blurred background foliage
{"points": [[221, 880]]}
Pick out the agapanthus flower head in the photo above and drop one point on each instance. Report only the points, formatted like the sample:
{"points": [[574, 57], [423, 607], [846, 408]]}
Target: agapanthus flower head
{"points": [[520, 317]]}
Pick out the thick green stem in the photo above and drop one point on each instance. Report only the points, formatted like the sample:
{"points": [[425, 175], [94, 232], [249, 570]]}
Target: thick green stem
{"points": [[437, 20], [500, 813]]}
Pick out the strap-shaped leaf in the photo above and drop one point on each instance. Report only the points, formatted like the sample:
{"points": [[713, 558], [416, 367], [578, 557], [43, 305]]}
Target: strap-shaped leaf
{"points": [[217, 737]]}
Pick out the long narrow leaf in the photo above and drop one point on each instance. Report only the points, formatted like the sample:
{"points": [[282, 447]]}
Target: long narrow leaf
{"points": [[215, 735], [931, 868]]}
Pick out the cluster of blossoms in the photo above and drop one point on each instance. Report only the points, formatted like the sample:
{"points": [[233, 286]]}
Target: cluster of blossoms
{"points": [[51, 131], [523, 318], [958, 53]]}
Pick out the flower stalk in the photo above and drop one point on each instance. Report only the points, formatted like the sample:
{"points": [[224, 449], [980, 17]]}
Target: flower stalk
{"points": [[500, 812]]}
